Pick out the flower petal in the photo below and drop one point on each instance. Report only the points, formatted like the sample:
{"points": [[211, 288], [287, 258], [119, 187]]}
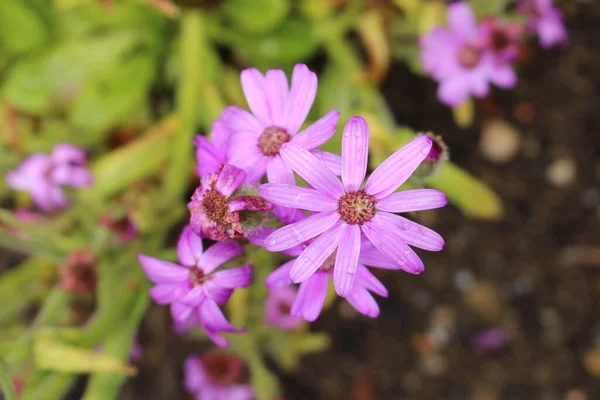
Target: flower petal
{"points": [[332, 161], [454, 91], [311, 297], [195, 377], [398, 167], [239, 120], [230, 179], [218, 254], [253, 84], [369, 281], [181, 311], [160, 271], [462, 20], [302, 95], [71, 176], [233, 278], [319, 132], [276, 88], [355, 153], [281, 276], [363, 302], [297, 197], [279, 172], [369, 255], [412, 233], [312, 170], [389, 242], [65, 153], [165, 293], [189, 247], [209, 158], [346, 260], [311, 259], [194, 297], [413, 200], [299, 232]]}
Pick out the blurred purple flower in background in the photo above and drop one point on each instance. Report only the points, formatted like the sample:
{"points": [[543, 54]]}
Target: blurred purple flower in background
{"points": [[212, 156], [345, 212], [501, 38], [458, 60], [278, 307], [215, 376], [192, 288], [545, 20], [43, 176]]}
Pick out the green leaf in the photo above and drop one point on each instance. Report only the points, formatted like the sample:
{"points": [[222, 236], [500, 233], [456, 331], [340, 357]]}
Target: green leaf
{"points": [[6, 382], [52, 355], [257, 16], [21, 28]]}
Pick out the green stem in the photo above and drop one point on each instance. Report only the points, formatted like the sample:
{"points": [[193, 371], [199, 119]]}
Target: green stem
{"points": [[192, 50], [6, 383]]}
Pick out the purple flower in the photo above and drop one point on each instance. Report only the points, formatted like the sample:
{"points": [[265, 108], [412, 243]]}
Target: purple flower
{"points": [[212, 156], [345, 210], [456, 58], [192, 288], [502, 39], [278, 307], [214, 376], [278, 112], [43, 176], [545, 20], [217, 214], [490, 339]]}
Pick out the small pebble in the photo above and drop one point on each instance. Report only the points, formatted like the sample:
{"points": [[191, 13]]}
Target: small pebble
{"points": [[561, 173], [499, 141]]}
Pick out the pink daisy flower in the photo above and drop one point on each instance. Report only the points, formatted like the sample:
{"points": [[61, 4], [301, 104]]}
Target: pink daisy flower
{"points": [[545, 20], [455, 57], [43, 176], [192, 288], [344, 209], [215, 376], [278, 307], [278, 112]]}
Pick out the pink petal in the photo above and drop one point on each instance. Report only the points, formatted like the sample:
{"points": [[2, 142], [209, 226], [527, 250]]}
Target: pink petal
{"points": [[160, 271], [297, 197], [462, 20], [209, 158], [389, 242], [195, 377], [189, 247], [412, 233], [504, 77], [239, 120], [71, 176], [195, 296], [355, 153], [65, 153], [299, 232], [333, 162], [233, 278], [413, 200], [369, 281], [180, 311], [369, 255], [319, 132], [253, 84], [281, 276], [279, 172], [230, 179], [398, 167], [258, 236], [302, 95], [221, 134], [218, 254], [276, 88], [453, 91], [312, 170], [165, 293], [363, 302], [346, 260], [48, 197], [311, 259], [311, 297]]}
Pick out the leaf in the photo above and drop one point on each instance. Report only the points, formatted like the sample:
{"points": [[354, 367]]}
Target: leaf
{"points": [[6, 382], [55, 356], [21, 28], [257, 16], [140, 159]]}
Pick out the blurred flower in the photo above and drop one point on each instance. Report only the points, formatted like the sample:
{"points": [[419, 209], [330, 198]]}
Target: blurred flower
{"points": [[456, 58], [345, 212], [216, 376], [278, 112], [78, 274], [191, 287], [278, 307], [545, 20], [502, 39], [216, 214], [42, 176], [212, 156], [491, 339], [122, 226], [438, 156]]}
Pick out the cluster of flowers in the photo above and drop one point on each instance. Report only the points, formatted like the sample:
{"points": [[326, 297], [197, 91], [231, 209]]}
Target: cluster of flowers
{"points": [[466, 57], [331, 228]]}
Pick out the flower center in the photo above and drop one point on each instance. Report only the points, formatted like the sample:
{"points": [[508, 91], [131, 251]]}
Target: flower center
{"points": [[284, 308], [469, 56], [271, 140], [356, 208], [214, 205], [499, 40], [196, 276], [222, 368]]}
